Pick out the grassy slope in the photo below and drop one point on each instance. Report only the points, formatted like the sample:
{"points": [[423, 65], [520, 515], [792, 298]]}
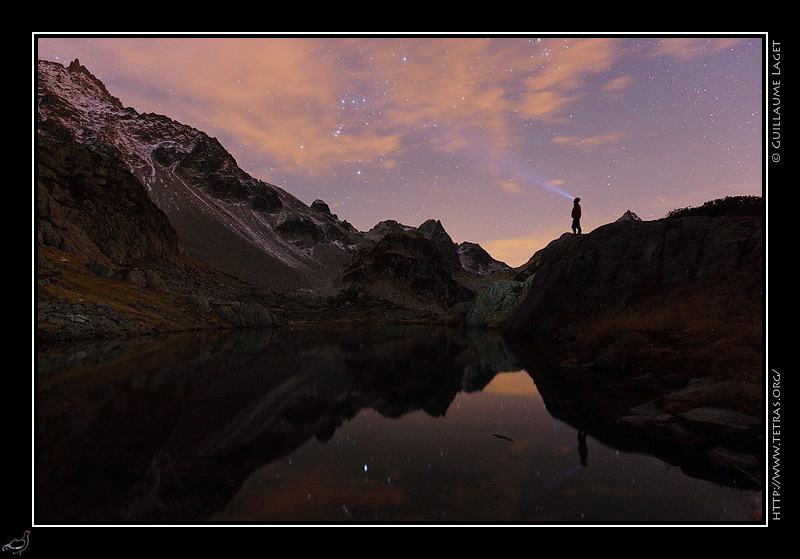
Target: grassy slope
{"points": [[65, 282], [705, 333]]}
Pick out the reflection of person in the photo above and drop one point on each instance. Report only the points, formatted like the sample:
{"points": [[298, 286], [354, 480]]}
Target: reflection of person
{"points": [[583, 450], [576, 216]]}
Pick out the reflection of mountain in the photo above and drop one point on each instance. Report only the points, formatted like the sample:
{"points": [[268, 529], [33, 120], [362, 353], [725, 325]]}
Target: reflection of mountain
{"points": [[205, 413], [593, 403]]}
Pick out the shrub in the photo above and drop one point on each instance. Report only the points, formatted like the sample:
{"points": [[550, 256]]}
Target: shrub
{"points": [[730, 206], [699, 333]]}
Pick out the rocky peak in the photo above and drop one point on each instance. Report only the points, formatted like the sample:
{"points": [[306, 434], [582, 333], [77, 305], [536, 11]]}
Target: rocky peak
{"points": [[434, 230], [77, 68], [405, 267], [385, 227], [76, 92], [476, 260], [321, 207], [629, 216]]}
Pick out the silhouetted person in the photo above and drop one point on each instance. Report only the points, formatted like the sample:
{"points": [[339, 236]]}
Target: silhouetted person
{"points": [[583, 450], [576, 216]]}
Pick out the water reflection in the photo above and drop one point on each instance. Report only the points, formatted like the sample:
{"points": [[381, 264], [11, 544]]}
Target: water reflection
{"points": [[197, 427], [583, 450]]}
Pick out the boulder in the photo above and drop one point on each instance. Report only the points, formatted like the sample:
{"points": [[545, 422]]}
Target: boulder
{"points": [[246, 314], [493, 304]]}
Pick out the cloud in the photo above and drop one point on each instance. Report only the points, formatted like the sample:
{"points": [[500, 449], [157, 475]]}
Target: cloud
{"points": [[309, 104], [269, 95], [618, 84], [686, 48], [546, 104], [562, 77], [511, 186], [306, 106], [590, 142]]}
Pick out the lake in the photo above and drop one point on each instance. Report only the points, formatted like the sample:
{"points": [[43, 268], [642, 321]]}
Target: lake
{"points": [[344, 426]]}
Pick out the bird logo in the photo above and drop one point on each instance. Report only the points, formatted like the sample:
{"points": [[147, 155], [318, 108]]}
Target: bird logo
{"points": [[17, 545]]}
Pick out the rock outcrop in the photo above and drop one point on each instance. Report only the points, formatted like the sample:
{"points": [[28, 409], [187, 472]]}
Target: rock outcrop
{"points": [[583, 277], [491, 307], [110, 264], [89, 205], [405, 268]]}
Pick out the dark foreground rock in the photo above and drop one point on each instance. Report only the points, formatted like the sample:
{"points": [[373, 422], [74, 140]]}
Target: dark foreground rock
{"points": [[724, 439], [585, 277], [687, 425]]}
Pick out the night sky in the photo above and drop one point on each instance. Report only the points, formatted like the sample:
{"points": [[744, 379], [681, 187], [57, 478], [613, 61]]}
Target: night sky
{"points": [[492, 135]]}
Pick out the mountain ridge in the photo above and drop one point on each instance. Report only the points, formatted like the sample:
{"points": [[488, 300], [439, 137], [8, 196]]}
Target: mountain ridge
{"points": [[236, 239], [241, 225]]}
